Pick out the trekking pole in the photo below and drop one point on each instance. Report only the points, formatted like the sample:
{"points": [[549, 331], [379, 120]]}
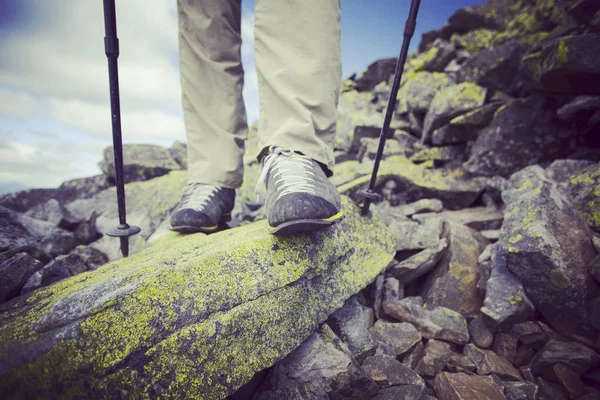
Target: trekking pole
{"points": [[111, 48], [409, 30]]}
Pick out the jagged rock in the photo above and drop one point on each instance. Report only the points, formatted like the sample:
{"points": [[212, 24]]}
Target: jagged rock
{"points": [[419, 264], [351, 324], [411, 359], [212, 309], [460, 363], [406, 392], [520, 390], [435, 355], [488, 362], [15, 272], [165, 193], [496, 67], [377, 72], [437, 323], [417, 93], [419, 206], [322, 368], [53, 212], [491, 235], [505, 345], [465, 127], [582, 188], [437, 57], [551, 391], [141, 162], [399, 336], [449, 103], [478, 218], [453, 284], [562, 171], [474, 41], [412, 235], [34, 282], [505, 302], [416, 182], [376, 294], [368, 148], [461, 386], [580, 103], [62, 267], [179, 153], [529, 332], [440, 154], [570, 380], [569, 64], [67, 192], [577, 357], [524, 132], [87, 231], [479, 333], [387, 371], [523, 355], [392, 289], [18, 230], [546, 245], [34, 252]]}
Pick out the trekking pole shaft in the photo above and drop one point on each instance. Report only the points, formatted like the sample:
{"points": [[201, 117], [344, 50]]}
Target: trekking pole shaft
{"points": [[409, 31], [111, 48]]}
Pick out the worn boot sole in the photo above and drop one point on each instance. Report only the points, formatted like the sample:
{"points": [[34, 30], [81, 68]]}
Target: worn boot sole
{"points": [[222, 225], [306, 225]]}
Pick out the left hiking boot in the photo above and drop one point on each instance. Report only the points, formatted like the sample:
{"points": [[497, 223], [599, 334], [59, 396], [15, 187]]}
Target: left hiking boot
{"points": [[300, 198], [203, 208]]}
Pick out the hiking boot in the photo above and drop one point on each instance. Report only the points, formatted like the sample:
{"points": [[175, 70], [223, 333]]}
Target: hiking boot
{"points": [[203, 208], [300, 198]]}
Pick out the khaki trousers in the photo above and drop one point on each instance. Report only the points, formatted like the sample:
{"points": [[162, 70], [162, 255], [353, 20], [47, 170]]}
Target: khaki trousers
{"points": [[298, 62]]}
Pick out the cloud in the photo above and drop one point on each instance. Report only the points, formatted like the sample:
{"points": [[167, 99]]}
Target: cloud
{"points": [[19, 104]]}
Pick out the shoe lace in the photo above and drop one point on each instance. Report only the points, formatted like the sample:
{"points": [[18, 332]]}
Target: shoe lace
{"points": [[292, 172], [197, 195]]}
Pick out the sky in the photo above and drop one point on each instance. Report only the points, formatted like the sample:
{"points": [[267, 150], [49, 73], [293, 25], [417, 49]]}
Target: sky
{"points": [[54, 93]]}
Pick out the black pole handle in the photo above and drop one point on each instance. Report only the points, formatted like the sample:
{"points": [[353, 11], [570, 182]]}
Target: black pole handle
{"points": [[409, 30]]}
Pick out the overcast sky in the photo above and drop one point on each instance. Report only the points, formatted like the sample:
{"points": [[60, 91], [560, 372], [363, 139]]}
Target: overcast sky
{"points": [[54, 104]]}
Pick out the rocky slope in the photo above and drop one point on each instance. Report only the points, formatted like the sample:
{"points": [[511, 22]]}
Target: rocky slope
{"points": [[491, 196]]}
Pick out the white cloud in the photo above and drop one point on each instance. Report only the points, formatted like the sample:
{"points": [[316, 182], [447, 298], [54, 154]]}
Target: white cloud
{"points": [[18, 104]]}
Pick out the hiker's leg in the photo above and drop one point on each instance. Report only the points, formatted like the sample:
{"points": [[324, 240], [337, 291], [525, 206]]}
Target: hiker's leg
{"points": [[298, 60], [211, 81]]}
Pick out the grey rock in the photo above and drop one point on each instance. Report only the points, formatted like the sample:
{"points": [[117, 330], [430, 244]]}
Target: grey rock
{"points": [[491, 235], [435, 356], [368, 148], [479, 333], [141, 162], [551, 391], [520, 390], [15, 272], [392, 290], [179, 153], [466, 127], [406, 392], [34, 282], [440, 155], [437, 323], [478, 218], [581, 189], [398, 335], [419, 264], [453, 284], [413, 357], [387, 371], [577, 357], [523, 355], [460, 363], [562, 170], [505, 302], [419, 206], [53, 212], [547, 246], [524, 132], [63, 267], [488, 362], [415, 236], [351, 324], [529, 332], [417, 93], [580, 103], [377, 294], [375, 73], [450, 386], [505, 345]]}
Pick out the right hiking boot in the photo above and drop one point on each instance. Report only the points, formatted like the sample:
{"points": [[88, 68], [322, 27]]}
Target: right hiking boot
{"points": [[203, 208]]}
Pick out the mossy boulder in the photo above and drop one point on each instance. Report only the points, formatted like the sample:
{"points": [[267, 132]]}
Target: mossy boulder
{"points": [[547, 245], [416, 182], [569, 64], [417, 94], [140, 162], [465, 127], [583, 189], [189, 317], [377, 72], [524, 132], [451, 102]]}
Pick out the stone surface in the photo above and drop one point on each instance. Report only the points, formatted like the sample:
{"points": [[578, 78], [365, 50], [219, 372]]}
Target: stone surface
{"points": [[569, 64], [478, 218], [524, 132], [15, 272], [435, 355], [378, 71], [322, 368], [416, 182], [141, 162], [577, 357], [417, 93], [505, 345], [520, 390], [437, 323], [480, 334], [400, 336], [465, 127], [529, 332], [392, 290], [387, 371], [419, 206], [351, 324], [407, 392], [250, 298], [580, 103], [547, 246], [505, 301], [461, 386], [453, 284], [419, 264], [53, 212], [583, 187], [412, 235], [449, 103], [179, 153], [488, 362]]}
